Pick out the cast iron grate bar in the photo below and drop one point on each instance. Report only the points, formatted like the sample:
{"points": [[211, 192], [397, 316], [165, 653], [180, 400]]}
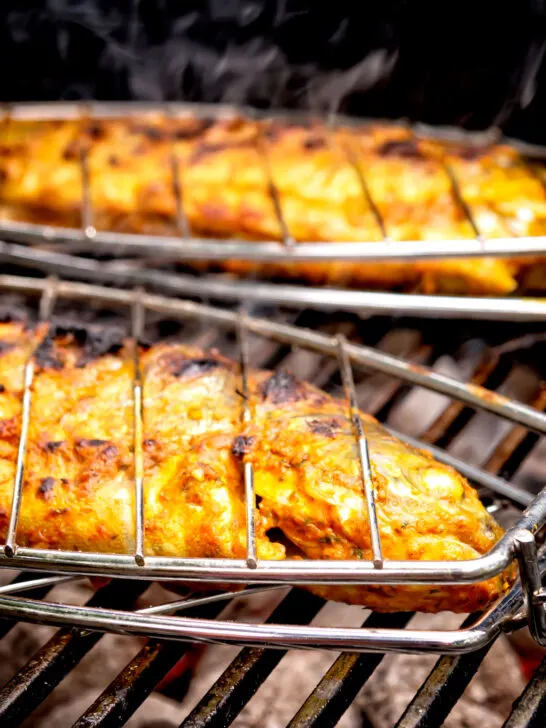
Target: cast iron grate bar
{"points": [[242, 678], [442, 689], [341, 684], [139, 678], [45, 670], [530, 708]]}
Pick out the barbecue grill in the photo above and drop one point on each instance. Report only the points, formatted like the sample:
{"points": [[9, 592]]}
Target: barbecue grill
{"points": [[279, 324], [337, 359]]}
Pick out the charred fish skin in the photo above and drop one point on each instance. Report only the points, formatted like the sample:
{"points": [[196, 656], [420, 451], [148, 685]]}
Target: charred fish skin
{"points": [[78, 490], [317, 173]]}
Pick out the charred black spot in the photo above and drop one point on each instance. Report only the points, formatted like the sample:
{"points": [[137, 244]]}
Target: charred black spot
{"points": [[242, 445], [6, 346], [324, 427], [45, 356], [53, 445], [405, 148], [180, 366], [282, 387], [64, 481], [315, 142], [46, 487], [193, 128], [91, 443], [92, 342], [96, 130], [2, 388]]}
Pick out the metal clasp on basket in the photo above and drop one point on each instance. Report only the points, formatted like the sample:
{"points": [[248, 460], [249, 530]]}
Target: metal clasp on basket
{"points": [[531, 581]]}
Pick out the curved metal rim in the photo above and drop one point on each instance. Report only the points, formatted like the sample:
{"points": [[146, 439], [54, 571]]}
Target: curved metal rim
{"points": [[272, 251], [276, 636], [137, 272]]}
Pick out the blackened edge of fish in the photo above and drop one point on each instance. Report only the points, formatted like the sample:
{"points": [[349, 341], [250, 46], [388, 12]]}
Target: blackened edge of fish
{"points": [[404, 148], [180, 366], [283, 387], [46, 487], [242, 445], [93, 342]]}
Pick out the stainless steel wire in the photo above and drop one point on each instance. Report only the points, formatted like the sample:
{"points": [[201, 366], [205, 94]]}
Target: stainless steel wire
{"points": [[137, 327], [248, 472], [365, 303], [363, 451], [47, 301]]}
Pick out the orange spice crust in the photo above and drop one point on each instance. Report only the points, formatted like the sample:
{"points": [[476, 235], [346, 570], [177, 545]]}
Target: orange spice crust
{"points": [[225, 186]]}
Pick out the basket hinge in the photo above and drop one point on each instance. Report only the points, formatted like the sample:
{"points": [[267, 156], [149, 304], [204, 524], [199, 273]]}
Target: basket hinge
{"points": [[534, 592]]}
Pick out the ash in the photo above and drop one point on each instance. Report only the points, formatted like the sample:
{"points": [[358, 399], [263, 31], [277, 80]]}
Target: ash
{"points": [[486, 702]]}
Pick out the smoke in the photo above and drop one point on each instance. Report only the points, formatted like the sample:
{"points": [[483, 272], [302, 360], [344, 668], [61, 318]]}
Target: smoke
{"points": [[387, 58], [220, 51]]}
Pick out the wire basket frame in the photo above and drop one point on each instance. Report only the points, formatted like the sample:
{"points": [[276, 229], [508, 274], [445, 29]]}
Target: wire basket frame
{"points": [[185, 246], [138, 272], [518, 541], [311, 571]]}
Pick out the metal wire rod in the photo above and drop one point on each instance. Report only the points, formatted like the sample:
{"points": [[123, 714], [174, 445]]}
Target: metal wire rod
{"points": [[137, 327], [136, 271], [250, 495], [88, 230], [30, 584], [363, 453], [273, 192], [191, 601], [273, 251], [47, 301]]}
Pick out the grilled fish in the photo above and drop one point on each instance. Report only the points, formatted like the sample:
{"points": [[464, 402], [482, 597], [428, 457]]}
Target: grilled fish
{"points": [[226, 169], [78, 490]]}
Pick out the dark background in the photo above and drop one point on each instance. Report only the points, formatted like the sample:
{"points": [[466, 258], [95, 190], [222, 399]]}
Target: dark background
{"points": [[473, 64]]}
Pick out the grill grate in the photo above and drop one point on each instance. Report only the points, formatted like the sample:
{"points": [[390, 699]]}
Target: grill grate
{"points": [[253, 665]]}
